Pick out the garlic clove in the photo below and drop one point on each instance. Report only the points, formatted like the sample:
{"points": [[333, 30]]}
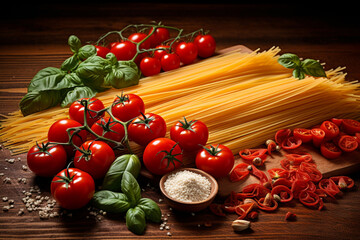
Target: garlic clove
{"points": [[240, 225]]}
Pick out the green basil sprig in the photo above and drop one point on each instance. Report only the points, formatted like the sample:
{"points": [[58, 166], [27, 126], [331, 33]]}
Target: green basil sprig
{"points": [[82, 75], [302, 67], [121, 193]]}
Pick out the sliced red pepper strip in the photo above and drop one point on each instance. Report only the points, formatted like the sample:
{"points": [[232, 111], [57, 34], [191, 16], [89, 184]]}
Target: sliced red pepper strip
{"points": [[239, 172], [231, 202], [254, 190], [282, 181], [314, 174], [300, 157], [274, 205], [259, 174], [298, 175], [276, 173], [343, 182], [271, 147], [217, 209], [285, 193], [291, 142], [281, 135], [309, 199], [243, 209], [298, 186], [329, 186], [248, 155]]}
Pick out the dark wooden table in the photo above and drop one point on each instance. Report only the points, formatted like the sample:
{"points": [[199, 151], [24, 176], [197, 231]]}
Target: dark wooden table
{"points": [[34, 36]]}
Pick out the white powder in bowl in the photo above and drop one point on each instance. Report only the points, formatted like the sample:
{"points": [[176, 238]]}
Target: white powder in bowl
{"points": [[187, 186]]}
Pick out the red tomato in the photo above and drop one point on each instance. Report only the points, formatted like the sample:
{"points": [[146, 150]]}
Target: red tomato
{"points": [[331, 129], [150, 66], [162, 50], [162, 155], [170, 61], [46, 160], [351, 126], [77, 108], [138, 37], [101, 51], [318, 136], [303, 134], [124, 50], [191, 135], [57, 133], [127, 106], [95, 158], [357, 137], [348, 143], [330, 150], [187, 52], [72, 188], [215, 160], [146, 128], [206, 45], [337, 121], [291, 142], [108, 128], [281, 135], [159, 36]]}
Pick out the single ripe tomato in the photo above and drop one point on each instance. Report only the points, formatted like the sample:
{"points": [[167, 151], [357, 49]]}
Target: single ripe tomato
{"points": [[329, 150], [187, 52], [191, 136], [124, 50], [46, 160], [351, 126], [159, 36], [303, 134], [102, 51], [206, 45], [348, 143], [162, 155], [215, 160], [95, 158], [72, 188], [94, 105], [150, 66], [146, 128], [138, 37], [170, 61], [57, 133], [331, 129], [161, 51], [127, 106], [108, 128]]}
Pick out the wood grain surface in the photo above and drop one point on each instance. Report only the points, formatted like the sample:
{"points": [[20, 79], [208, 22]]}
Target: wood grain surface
{"points": [[34, 36]]}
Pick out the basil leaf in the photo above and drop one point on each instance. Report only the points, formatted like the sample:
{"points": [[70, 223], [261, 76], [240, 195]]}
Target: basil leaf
{"points": [[113, 177], [86, 51], [289, 60], [151, 209], [37, 101], [298, 73], [135, 220], [313, 68], [110, 201], [46, 79], [74, 43], [71, 63], [93, 70], [77, 93], [123, 74], [130, 187]]}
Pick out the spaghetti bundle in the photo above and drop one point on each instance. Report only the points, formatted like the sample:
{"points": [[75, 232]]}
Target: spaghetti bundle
{"points": [[243, 98]]}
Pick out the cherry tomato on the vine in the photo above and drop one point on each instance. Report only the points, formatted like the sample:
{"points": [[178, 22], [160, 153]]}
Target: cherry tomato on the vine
{"points": [[159, 36], [95, 158], [46, 159], [217, 160], [150, 66], [162, 50], [108, 128], [127, 106], [146, 128], [170, 61], [72, 188], [77, 108], [102, 51], [124, 50], [57, 134], [191, 135], [162, 155], [187, 52], [206, 45]]}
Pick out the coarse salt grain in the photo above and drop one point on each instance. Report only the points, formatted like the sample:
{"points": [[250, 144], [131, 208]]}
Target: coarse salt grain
{"points": [[187, 186]]}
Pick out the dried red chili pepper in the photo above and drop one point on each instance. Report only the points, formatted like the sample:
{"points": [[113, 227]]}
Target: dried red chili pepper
{"points": [[289, 216]]}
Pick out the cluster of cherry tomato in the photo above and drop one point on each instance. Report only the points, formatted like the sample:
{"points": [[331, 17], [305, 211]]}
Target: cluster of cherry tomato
{"points": [[157, 51]]}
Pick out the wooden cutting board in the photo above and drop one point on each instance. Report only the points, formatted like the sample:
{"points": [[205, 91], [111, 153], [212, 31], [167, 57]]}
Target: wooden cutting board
{"points": [[348, 163]]}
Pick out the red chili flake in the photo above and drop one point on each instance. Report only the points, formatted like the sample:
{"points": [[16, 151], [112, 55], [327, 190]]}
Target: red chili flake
{"points": [[290, 216]]}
